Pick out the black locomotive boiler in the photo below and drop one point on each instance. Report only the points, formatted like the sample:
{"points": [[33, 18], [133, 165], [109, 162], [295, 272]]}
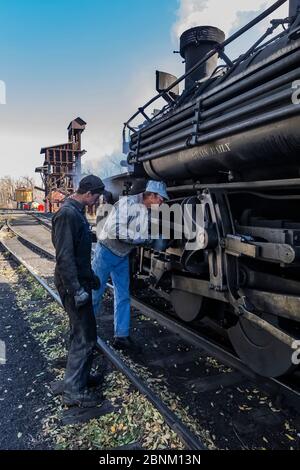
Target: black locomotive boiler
{"points": [[229, 146]]}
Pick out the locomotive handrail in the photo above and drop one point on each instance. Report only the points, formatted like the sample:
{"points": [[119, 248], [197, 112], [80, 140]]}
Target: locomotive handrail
{"points": [[217, 49]]}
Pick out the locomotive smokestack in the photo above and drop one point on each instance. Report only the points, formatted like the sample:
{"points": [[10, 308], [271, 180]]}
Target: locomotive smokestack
{"points": [[294, 8], [195, 43]]}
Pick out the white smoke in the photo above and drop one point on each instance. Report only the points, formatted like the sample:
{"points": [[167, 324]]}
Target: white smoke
{"points": [[226, 15]]}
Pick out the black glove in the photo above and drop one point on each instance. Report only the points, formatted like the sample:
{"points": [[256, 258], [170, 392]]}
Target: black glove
{"points": [[95, 283], [81, 297]]}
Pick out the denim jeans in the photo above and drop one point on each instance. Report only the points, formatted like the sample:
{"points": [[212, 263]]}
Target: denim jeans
{"points": [[105, 264]]}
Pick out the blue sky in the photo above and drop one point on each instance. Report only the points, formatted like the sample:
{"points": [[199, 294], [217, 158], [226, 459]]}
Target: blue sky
{"points": [[95, 58], [61, 59], [62, 44]]}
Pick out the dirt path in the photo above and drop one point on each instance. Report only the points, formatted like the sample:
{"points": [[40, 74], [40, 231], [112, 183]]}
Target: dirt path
{"points": [[23, 394]]}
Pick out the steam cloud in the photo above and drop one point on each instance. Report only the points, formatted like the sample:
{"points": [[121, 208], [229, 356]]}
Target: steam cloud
{"points": [[226, 15]]}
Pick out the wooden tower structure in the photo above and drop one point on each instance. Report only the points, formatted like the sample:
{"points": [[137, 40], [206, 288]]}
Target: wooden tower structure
{"points": [[61, 170]]}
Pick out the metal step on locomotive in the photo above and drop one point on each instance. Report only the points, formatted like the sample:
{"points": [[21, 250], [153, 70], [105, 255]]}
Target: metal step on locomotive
{"points": [[228, 146]]}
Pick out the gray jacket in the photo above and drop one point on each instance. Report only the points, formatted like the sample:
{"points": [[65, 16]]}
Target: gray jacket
{"points": [[126, 226]]}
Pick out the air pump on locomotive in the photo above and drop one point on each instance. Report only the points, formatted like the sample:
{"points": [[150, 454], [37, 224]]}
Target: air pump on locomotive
{"points": [[229, 145]]}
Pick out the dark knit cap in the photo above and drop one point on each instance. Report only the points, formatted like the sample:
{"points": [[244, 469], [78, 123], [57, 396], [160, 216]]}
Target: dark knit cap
{"points": [[91, 183]]}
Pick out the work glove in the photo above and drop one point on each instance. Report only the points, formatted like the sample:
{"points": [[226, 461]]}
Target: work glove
{"points": [[95, 283], [81, 297]]}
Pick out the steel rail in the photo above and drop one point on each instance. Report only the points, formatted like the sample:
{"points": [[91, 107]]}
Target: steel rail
{"points": [[26, 240], [45, 222], [5, 211]]}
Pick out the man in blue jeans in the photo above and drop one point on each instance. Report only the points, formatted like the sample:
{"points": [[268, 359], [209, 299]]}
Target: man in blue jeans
{"points": [[126, 227]]}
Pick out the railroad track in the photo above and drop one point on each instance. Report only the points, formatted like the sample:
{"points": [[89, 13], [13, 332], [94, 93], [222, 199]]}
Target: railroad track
{"points": [[25, 229], [191, 441], [14, 212], [225, 355], [43, 219], [165, 358]]}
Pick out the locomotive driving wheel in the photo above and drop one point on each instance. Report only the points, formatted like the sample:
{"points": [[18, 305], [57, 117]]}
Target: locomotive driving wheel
{"points": [[260, 350], [187, 306]]}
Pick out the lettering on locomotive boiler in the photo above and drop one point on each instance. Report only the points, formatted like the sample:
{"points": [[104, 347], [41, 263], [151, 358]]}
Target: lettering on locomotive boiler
{"points": [[212, 150]]}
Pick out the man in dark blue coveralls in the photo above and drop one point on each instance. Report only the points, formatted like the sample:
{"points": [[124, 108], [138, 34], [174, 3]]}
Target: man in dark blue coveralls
{"points": [[75, 280]]}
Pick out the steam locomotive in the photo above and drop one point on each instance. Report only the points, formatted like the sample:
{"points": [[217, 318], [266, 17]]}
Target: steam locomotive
{"points": [[229, 145]]}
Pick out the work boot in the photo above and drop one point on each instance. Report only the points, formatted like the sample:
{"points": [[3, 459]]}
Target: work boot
{"points": [[120, 343], [85, 399], [95, 380]]}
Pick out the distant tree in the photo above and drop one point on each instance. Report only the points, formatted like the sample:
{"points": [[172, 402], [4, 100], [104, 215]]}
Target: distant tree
{"points": [[8, 186], [7, 190], [26, 181]]}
